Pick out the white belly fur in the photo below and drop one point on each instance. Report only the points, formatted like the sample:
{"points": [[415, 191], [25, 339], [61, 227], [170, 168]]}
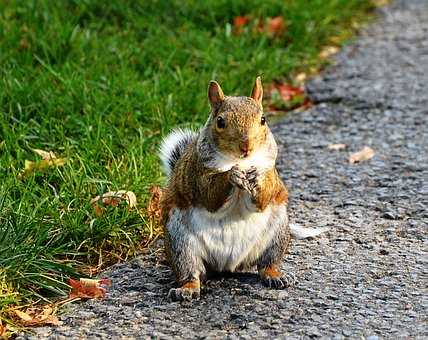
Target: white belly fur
{"points": [[233, 235]]}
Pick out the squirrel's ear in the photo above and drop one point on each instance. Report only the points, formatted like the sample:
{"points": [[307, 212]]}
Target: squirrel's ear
{"points": [[215, 95], [257, 92]]}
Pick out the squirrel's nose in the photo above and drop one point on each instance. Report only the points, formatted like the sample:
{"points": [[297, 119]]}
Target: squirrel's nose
{"points": [[244, 147]]}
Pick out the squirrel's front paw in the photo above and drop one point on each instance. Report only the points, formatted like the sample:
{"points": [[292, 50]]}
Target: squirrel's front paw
{"points": [[238, 178], [284, 281], [252, 177], [183, 294], [188, 291], [273, 278]]}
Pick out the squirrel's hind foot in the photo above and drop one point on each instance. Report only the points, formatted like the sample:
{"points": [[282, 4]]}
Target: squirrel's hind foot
{"points": [[188, 291], [273, 278]]}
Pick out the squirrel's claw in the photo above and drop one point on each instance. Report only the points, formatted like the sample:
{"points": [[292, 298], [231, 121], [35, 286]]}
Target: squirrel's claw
{"points": [[284, 281], [183, 294], [238, 178]]}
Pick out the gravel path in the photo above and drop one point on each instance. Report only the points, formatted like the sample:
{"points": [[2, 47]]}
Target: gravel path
{"points": [[368, 276]]}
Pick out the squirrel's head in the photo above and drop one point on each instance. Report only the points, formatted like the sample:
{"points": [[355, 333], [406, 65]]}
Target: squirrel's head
{"points": [[238, 126]]}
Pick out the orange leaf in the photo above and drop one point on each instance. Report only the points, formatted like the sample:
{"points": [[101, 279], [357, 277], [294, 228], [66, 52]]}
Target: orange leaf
{"points": [[363, 155], [288, 92], [240, 21], [276, 25], [87, 288], [238, 24]]}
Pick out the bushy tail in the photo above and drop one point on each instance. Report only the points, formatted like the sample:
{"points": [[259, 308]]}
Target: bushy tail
{"points": [[300, 232], [172, 147]]}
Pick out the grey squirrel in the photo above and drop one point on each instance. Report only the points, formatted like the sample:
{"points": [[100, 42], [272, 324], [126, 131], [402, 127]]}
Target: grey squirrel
{"points": [[224, 208]]}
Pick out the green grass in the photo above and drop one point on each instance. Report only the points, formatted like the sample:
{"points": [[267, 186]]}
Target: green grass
{"points": [[100, 83]]}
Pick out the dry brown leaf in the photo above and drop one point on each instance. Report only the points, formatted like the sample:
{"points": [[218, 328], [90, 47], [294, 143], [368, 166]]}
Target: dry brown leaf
{"points": [[23, 316], [38, 316], [363, 155], [113, 198], [328, 51], [88, 288], [153, 209], [337, 147]]}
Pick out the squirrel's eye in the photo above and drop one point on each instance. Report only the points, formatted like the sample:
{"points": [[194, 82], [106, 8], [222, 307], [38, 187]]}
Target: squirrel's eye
{"points": [[221, 123], [263, 121]]}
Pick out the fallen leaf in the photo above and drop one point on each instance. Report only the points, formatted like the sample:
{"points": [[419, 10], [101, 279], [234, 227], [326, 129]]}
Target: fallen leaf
{"points": [[337, 147], [3, 330], [285, 97], [23, 316], [113, 198], [153, 208], [328, 51], [300, 78], [87, 288], [288, 92], [49, 160], [363, 155], [45, 154], [38, 316], [276, 26], [239, 22]]}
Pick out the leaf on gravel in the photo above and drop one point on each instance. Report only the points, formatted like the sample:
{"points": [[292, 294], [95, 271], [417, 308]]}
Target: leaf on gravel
{"points": [[337, 147], [88, 288], [37, 316], [49, 159], [153, 208], [363, 155], [328, 51], [113, 198]]}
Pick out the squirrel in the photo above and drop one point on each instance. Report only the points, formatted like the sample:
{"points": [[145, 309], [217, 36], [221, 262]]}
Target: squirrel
{"points": [[224, 207]]}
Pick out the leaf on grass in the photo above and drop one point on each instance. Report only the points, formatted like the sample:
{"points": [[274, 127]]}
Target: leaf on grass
{"points": [[113, 198], [88, 288], [239, 22], [37, 316], [272, 27], [276, 26], [285, 97], [337, 147], [363, 155], [328, 51], [49, 159], [153, 208]]}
